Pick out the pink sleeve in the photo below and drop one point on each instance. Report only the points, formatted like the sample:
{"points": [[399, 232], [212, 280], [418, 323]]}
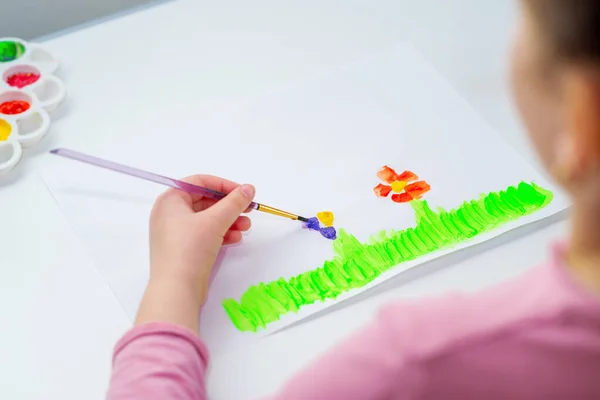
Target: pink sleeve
{"points": [[368, 365], [162, 361], [159, 361]]}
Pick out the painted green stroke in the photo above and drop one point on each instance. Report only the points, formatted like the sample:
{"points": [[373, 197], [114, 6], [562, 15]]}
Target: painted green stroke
{"points": [[356, 264]]}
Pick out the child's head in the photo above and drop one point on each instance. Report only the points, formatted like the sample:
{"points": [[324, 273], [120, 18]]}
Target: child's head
{"points": [[556, 79]]}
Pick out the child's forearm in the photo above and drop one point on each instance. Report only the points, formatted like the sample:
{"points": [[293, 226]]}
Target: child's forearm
{"points": [[172, 302]]}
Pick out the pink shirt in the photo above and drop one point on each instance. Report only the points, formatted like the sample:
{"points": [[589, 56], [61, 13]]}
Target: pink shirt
{"points": [[534, 337]]}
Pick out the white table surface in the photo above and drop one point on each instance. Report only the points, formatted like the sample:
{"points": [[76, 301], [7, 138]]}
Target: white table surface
{"points": [[59, 319]]}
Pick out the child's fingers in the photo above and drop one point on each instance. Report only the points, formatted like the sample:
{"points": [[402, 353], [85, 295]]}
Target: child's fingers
{"points": [[174, 196], [241, 224], [232, 237], [204, 203], [210, 182], [226, 211]]}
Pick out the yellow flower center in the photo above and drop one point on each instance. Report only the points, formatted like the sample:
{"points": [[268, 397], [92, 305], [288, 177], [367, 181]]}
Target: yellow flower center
{"points": [[398, 186], [326, 218]]}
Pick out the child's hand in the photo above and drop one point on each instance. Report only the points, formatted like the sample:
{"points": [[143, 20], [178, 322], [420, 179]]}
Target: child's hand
{"points": [[186, 233]]}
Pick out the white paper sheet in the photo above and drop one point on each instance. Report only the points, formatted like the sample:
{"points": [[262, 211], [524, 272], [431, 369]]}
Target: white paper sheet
{"points": [[314, 146]]}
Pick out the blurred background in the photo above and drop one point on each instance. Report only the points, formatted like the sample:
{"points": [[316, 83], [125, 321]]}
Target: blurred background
{"points": [[30, 19]]}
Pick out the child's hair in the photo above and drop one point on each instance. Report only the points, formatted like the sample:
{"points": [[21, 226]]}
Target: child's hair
{"points": [[571, 28]]}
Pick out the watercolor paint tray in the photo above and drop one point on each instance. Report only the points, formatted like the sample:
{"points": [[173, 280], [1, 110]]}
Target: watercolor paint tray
{"points": [[28, 91]]}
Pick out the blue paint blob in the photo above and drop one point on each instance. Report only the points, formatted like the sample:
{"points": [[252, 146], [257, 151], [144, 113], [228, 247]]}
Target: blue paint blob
{"points": [[312, 224], [329, 233]]}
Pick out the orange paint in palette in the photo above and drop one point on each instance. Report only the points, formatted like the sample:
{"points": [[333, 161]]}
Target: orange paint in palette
{"points": [[5, 130], [14, 107]]}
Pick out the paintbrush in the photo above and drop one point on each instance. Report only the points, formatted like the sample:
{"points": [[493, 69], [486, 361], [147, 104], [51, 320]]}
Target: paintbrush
{"points": [[163, 180]]}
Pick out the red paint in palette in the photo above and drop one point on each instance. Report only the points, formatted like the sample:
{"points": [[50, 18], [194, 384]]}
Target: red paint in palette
{"points": [[22, 79], [14, 107]]}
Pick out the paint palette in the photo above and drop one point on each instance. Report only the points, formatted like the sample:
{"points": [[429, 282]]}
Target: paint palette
{"points": [[28, 91]]}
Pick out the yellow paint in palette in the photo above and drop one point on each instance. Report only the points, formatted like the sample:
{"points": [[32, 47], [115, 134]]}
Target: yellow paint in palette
{"points": [[325, 217], [5, 130]]}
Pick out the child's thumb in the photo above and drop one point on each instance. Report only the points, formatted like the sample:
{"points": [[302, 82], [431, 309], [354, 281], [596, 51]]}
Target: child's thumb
{"points": [[228, 209]]}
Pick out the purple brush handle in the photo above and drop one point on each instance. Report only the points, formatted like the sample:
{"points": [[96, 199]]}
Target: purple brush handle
{"points": [[138, 173]]}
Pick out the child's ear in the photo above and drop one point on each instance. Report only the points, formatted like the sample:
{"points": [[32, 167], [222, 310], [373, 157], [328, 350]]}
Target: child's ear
{"points": [[578, 153]]}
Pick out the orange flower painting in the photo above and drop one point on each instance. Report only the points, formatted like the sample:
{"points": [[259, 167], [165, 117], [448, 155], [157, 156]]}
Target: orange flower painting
{"points": [[405, 187]]}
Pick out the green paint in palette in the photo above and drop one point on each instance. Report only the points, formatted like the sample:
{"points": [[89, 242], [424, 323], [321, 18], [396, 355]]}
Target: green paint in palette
{"points": [[10, 50], [356, 264]]}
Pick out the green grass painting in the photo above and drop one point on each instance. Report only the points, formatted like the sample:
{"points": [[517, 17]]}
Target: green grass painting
{"points": [[356, 264]]}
